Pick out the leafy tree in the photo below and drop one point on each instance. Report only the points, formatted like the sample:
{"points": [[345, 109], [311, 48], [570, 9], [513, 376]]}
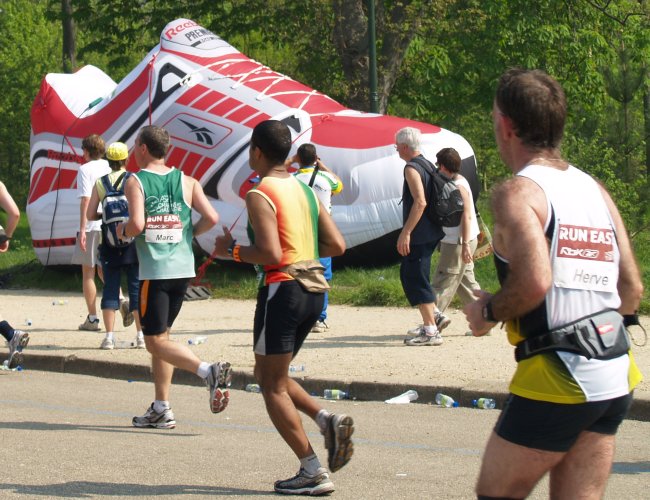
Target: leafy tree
{"points": [[27, 49]]}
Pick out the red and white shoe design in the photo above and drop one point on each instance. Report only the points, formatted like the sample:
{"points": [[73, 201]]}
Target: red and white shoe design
{"points": [[209, 96]]}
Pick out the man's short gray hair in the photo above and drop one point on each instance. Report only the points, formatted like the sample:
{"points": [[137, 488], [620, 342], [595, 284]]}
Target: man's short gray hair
{"points": [[409, 136]]}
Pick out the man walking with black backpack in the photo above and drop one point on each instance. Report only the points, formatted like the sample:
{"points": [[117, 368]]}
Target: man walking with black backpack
{"points": [[418, 240]]}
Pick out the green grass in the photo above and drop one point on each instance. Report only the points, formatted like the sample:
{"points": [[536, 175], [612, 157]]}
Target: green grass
{"points": [[380, 286]]}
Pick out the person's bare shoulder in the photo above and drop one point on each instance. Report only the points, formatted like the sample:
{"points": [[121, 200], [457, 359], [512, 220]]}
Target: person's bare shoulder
{"points": [[517, 195]]}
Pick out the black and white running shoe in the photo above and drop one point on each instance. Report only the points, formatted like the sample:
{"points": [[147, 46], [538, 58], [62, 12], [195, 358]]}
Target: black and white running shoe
{"points": [[306, 484], [152, 418]]}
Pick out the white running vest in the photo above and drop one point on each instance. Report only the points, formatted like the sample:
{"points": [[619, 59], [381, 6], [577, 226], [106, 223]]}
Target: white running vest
{"points": [[585, 261]]}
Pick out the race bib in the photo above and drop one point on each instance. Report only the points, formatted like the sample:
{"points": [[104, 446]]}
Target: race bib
{"points": [[164, 228], [584, 259]]}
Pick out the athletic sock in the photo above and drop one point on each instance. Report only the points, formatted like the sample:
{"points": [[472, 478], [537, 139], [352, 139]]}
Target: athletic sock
{"points": [[311, 464], [6, 330], [321, 420], [92, 318], [160, 406], [430, 329], [109, 335], [140, 335], [203, 370]]}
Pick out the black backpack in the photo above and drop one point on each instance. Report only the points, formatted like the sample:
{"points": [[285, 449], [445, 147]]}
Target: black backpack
{"points": [[115, 209], [444, 201]]}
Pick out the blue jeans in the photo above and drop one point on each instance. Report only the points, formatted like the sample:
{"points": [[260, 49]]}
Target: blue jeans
{"points": [[327, 262], [112, 278]]}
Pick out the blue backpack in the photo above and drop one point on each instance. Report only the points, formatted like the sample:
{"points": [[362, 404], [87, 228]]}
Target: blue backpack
{"points": [[115, 209]]}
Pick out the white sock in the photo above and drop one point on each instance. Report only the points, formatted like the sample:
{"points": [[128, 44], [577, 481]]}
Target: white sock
{"points": [[109, 335], [430, 329], [321, 420], [203, 370], [140, 334], [92, 317], [311, 464], [160, 406]]}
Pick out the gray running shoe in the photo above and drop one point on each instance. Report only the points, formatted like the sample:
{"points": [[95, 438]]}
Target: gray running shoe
{"points": [[16, 344], [218, 381], [306, 484], [442, 321], [127, 316], [418, 330], [90, 326], [339, 446], [424, 339], [152, 418]]}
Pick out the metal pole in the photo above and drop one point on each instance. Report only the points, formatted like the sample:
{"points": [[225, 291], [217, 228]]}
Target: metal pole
{"points": [[372, 54]]}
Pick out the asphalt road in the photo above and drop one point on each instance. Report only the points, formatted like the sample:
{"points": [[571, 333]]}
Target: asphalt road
{"points": [[69, 436]]}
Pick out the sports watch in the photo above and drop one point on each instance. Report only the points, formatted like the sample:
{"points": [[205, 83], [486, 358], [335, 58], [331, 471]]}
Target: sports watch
{"points": [[488, 315]]}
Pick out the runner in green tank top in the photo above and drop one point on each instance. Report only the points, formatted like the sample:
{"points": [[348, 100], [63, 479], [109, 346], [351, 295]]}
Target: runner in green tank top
{"points": [[160, 201]]}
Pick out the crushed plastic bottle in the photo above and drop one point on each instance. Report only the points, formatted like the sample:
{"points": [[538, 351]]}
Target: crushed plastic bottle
{"points": [[335, 394], [296, 368], [445, 401], [484, 403], [59, 302], [28, 322], [404, 398], [124, 344], [197, 340], [253, 388]]}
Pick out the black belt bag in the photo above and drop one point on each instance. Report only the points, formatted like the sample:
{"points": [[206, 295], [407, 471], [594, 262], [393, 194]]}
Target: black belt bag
{"points": [[600, 336]]}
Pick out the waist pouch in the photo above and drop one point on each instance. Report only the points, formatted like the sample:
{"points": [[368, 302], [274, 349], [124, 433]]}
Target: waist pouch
{"points": [[600, 336], [309, 274]]}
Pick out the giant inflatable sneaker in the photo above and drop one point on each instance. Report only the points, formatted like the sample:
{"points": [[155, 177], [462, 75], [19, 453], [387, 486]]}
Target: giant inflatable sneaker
{"points": [[209, 96]]}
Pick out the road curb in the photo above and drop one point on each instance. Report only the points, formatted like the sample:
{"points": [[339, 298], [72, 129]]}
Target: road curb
{"points": [[361, 391]]}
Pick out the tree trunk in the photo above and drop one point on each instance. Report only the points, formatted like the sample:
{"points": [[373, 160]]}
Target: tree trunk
{"points": [[69, 37], [395, 29], [646, 122]]}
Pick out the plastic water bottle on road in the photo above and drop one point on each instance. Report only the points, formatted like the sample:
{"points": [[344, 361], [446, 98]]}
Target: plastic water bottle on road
{"points": [[296, 368], [253, 388], [335, 394], [445, 401], [197, 340], [484, 403]]}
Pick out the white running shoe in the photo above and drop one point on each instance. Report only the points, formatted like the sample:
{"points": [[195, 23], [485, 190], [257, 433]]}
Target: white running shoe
{"points": [[424, 339], [152, 418], [90, 326], [107, 344], [319, 327], [16, 345]]}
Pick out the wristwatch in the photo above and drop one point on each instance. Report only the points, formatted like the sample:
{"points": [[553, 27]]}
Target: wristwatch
{"points": [[488, 315], [231, 248]]}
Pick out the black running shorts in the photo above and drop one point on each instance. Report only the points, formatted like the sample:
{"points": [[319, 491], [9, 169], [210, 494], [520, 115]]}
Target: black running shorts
{"points": [[284, 315], [160, 303], [556, 427]]}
